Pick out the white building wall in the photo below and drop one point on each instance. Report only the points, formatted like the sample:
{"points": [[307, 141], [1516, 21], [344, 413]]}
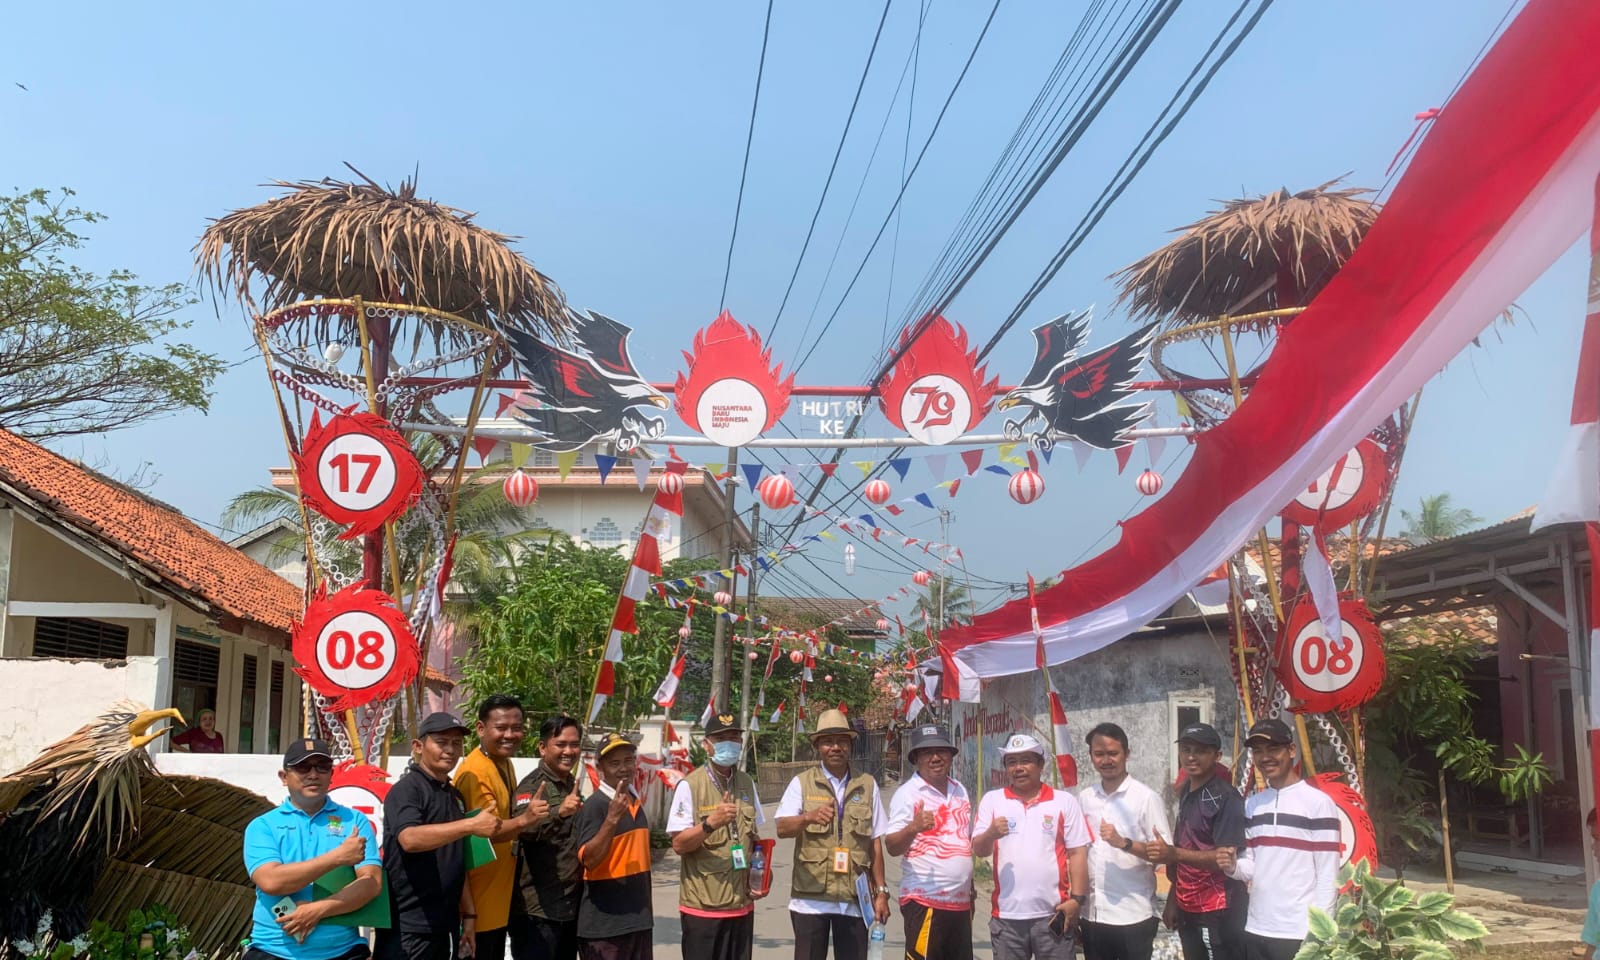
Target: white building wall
{"points": [[48, 699]]}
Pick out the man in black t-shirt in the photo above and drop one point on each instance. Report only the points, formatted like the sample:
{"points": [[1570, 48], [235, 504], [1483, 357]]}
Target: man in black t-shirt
{"points": [[544, 905], [424, 851], [614, 916], [1206, 907]]}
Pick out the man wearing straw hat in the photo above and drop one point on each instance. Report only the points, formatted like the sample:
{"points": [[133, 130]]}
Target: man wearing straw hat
{"points": [[837, 822]]}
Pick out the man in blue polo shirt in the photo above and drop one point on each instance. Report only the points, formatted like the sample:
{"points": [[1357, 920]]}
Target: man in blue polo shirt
{"points": [[288, 848]]}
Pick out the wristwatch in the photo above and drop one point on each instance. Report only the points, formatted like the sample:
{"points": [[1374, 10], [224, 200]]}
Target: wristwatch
{"points": [[881, 891], [705, 825], [1078, 898], [1127, 844]]}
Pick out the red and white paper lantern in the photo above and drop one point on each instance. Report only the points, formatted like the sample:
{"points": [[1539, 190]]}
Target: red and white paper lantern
{"points": [[827, 678], [521, 489], [722, 597], [1149, 483], [683, 632], [878, 491], [670, 483], [775, 491], [1026, 486], [921, 578], [795, 656], [883, 624]]}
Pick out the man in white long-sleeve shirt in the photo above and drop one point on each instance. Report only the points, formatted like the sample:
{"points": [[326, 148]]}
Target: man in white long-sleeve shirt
{"points": [[1291, 855]]}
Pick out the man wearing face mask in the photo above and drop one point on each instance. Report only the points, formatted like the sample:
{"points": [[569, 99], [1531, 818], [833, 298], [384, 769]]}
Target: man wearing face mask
{"points": [[713, 822]]}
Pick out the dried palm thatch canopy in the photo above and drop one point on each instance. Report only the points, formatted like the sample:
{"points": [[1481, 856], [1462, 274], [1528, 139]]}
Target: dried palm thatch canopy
{"points": [[1230, 261], [343, 240]]}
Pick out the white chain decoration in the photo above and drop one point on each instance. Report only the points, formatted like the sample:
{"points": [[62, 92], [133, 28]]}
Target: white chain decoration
{"points": [[1341, 748]]}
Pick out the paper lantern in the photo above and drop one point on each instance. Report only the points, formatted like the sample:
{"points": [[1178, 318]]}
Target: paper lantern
{"points": [[754, 655], [1149, 483], [877, 491], [521, 489], [670, 483], [849, 559], [683, 632], [1026, 486], [776, 492], [921, 578], [911, 688], [722, 597], [795, 656], [827, 678], [883, 624]]}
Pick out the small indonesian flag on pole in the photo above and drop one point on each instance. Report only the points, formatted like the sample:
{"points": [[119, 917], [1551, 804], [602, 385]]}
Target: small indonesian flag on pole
{"points": [[1066, 765], [667, 693], [778, 712]]}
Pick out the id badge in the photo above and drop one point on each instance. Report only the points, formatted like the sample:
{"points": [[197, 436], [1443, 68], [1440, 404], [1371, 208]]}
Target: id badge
{"points": [[737, 851], [841, 860]]}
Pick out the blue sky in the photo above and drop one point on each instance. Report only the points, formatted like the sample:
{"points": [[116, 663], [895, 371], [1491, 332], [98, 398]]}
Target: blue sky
{"points": [[609, 137]]}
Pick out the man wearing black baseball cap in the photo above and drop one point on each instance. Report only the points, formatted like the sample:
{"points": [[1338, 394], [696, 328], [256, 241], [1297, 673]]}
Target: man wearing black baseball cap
{"points": [[1291, 853], [1206, 907], [424, 851], [293, 845]]}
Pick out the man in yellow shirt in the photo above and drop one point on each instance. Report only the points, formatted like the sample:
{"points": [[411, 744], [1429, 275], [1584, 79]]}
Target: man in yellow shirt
{"points": [[486, 781]]}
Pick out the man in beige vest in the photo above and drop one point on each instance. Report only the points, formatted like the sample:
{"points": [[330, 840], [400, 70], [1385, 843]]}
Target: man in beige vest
{"points": [[837, 821], [713, 822]]}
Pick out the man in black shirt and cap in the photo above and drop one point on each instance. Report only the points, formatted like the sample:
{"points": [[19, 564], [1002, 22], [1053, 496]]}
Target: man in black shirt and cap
{"points": [[424, 850], [544, 905]]}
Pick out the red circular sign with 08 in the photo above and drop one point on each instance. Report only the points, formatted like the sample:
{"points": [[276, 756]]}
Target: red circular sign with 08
{"points": [[354, 647], [357, 471], [1327, 675]]}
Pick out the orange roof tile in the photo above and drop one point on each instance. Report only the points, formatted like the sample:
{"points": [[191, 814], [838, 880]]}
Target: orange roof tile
{"points": [[432, 677], [168, 545]]}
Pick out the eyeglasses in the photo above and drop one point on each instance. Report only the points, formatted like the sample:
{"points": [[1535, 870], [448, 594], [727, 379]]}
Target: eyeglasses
{"points": [[312, 766]]}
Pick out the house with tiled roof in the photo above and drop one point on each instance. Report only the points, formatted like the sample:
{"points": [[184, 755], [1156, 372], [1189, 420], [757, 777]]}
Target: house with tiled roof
{"points": [[106, 593]]}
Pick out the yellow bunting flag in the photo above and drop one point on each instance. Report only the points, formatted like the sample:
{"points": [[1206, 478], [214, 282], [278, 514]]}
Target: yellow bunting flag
{"points": [[865, 466], [1183, 406], [520, 453], [564, 462], [1005, 450]]}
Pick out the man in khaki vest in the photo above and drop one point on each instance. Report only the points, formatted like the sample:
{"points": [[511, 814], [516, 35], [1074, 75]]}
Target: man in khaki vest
{"points": [[713, 822], [837, 821]]}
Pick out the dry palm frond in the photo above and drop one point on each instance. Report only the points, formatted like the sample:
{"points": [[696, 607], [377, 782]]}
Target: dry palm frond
{"points": [[1229, 262], [334, 239]]}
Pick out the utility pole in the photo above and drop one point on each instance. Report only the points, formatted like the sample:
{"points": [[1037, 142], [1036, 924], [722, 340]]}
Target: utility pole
{"points": [[719, 643], [750, 614]]}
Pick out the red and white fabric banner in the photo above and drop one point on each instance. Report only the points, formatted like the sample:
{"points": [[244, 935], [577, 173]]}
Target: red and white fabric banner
{"points": [[1066, 765], [646, 564], [1498, 190], [667, 694]]}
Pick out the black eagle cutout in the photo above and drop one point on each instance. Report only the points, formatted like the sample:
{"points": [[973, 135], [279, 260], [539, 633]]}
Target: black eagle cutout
{"points": [[587, 394], [1065, 396]]}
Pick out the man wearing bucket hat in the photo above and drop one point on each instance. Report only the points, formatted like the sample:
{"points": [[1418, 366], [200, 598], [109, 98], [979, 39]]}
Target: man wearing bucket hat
{"points": [[837, 822], [713, 822], [1291, 854], [930, 825], [1040, 846]]}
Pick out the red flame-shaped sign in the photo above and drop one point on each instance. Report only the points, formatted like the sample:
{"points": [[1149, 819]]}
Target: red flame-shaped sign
{"points": [[354, 647], [357, 471], [1357, 840], [936, 391], [731, 393]]}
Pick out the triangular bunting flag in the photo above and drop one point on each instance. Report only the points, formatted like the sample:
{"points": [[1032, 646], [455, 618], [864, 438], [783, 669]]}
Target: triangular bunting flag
{"points": [[996, 468], [715, 469], [505, 400], [520, 453], [936, 464], [484, 446], [827, 469], [1124, 454], [865, 466], [954, 486], [1046, 452], [641, 471], [924, 499], [1183, 406], [1156, 446], [564, 462], [900, 465], [1081, 452], [1006, 448], [752, 473], [604, 464], [973, 459]]}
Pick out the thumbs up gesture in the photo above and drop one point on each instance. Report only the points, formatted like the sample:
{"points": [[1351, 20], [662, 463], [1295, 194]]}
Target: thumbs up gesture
{"points": [[572, 801], [821, 814], [352, 851], [1108, 833], [921, 819], [724, 812], [1159, 850]]}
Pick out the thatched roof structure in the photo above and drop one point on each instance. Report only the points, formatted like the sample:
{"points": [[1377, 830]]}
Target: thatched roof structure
{"points": [[334, 239], [1229, 261]]}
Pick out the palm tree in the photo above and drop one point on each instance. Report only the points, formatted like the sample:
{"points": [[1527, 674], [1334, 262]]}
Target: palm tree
{"points": [[956, 604], [1436, 519]]}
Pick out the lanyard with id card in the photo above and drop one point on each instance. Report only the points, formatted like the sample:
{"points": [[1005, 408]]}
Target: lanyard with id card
{"points": [[841, 853]]}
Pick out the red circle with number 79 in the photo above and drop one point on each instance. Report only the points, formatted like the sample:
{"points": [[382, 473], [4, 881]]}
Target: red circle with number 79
{"points": [[1325, 675], [354, 647], [357, 471]]}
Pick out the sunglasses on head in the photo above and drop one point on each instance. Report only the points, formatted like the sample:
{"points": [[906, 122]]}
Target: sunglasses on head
{"points": [[313, 766]]}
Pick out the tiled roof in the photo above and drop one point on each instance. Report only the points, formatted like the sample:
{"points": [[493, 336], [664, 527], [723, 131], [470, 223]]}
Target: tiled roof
{"points": [[433, 678], [168, 545], [1481, 625]]}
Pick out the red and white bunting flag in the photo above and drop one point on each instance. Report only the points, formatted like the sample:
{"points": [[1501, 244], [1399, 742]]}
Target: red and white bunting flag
{"points": [[667, 693], [959, 682], [777, 713], [1212, 590], [1501, 186], [1066, 765], [705, 715], [646, 561], [669, 734]]}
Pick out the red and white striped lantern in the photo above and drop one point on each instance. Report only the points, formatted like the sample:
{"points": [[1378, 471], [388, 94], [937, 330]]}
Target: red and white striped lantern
{"points": [[722, 597], [775, 491], [683, 632], [878, 491], [754, 655], [670, 483], [921, 578], [521, 490], [795, 656], [883, 624], [1026, 486], [1149, 483]]}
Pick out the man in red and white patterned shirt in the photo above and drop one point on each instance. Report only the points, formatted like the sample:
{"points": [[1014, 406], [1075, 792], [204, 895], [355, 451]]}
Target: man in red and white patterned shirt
{"points": [[930, 825]]}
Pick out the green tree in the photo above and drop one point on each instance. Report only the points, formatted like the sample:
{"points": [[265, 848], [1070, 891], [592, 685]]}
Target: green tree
{"points": [[942, 595], [83, 353], [1436, 519]]}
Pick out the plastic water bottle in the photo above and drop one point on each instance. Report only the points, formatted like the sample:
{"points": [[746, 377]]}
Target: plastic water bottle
{"points": [[758, 869], [875, 942]]}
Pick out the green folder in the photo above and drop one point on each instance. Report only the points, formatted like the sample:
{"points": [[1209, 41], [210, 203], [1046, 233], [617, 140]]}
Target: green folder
{"points": [[479, 850], [374, 914]]}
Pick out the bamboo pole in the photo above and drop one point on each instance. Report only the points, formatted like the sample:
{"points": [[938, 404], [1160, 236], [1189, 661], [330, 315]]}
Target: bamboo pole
{"points": [[1444, 825], [1409, 418]]}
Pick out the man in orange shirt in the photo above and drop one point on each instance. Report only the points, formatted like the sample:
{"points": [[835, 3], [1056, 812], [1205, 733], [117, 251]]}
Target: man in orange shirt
{"points": [[614, 914], [485, 780]]}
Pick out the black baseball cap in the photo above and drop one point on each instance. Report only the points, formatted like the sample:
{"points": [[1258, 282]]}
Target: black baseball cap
{"points": [[1202, 733], [722, 723], [441, 722], [1270, 731], [302, 750]]}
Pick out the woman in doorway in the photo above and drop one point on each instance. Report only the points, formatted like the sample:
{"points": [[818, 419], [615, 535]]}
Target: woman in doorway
{"points": [[203, 738]]}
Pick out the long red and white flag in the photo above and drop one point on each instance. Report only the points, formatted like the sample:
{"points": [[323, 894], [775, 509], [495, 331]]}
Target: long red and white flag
{"points": [[646, 564], [1066, 764], [667, 693], [1497, 191]]}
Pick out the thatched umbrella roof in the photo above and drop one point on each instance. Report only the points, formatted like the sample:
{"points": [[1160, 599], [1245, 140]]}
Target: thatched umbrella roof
{"points": [[1229, 261], [334, 239]]}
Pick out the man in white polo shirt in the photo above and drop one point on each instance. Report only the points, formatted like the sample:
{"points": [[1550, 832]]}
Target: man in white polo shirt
{"points": [[1040, 845], [1124, 817], [930, 825]]}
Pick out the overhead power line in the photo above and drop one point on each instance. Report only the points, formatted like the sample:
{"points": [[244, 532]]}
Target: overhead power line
{"points": [[744, 170]]}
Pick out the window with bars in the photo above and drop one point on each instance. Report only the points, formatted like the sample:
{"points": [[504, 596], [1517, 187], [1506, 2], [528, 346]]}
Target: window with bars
{"points": [[194, 678], [275, 707], [79, 638]]}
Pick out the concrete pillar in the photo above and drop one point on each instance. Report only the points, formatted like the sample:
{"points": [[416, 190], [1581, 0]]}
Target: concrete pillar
{"points": [[164, 649], [1578, 667]]}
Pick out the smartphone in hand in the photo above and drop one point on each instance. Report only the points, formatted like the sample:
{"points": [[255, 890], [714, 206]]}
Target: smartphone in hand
{"points": [[1058, 925]]}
